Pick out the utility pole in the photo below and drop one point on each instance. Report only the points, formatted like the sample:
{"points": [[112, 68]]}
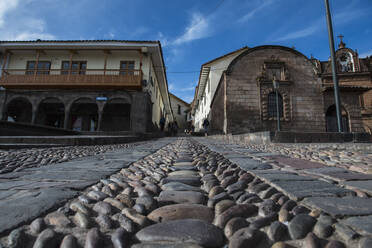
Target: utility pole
{"points": [[333, 62]]}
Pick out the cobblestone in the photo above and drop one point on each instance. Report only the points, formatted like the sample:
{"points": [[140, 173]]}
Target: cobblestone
{"points": [[19, 159], [220, 195]]}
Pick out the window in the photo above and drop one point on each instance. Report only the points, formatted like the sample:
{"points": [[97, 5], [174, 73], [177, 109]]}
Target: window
{"points": [[77, 67], [126, 67], [271, 108], [345, 62], [179, 109], [274, 72], [43, 67]]}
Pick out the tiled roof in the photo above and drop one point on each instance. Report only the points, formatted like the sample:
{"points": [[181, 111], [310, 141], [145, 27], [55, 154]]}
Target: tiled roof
{"points": [[80, 41]]}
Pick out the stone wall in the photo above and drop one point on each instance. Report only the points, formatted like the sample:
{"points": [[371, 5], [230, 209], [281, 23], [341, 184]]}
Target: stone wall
{"points": [[350, 102], [246, 97], [268, 137]]}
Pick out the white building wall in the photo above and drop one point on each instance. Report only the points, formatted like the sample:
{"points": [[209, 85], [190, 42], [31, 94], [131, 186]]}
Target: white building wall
{"points": [[180, 118], [94, 59], [216, 70]]}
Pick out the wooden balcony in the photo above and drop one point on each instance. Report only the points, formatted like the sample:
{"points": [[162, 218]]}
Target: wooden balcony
{"points": [[62, 79]]}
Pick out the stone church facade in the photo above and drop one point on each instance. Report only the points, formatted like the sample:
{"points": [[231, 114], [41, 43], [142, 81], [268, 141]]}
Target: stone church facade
{"points": [[245, 100]]}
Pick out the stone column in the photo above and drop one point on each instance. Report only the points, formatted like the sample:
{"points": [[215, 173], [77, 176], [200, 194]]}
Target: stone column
{"points": [[100, 105], [139, 112], [67, 115], [100, 113], [33, 120]]}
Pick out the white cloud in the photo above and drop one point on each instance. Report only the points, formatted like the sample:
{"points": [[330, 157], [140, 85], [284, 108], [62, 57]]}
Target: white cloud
{"points": [[299, 33], [163, 40], [252, 13], [32, 29], [198, 28], [139, 31], [6, 6], [17, 26], [339, 18], [187, 89], [171, 87], [24, 35], [188, 99]]}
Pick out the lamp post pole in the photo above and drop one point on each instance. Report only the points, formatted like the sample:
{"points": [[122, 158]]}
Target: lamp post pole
{"points": [[276, 86], [333, 63]]}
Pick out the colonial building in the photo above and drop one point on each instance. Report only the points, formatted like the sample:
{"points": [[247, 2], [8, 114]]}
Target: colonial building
{"points": [[245, 101], [95, 85], [355, 78], [210, 75], [180, 110]]}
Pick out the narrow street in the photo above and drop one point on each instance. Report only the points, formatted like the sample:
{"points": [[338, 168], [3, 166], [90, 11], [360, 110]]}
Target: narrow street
{"points": [[189, 192]]}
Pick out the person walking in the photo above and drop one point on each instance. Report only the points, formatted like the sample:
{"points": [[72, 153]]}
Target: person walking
{"points": [[205, 126], [162, 123], [175, 128]]}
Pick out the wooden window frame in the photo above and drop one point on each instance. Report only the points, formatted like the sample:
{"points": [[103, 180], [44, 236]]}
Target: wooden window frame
{"points": [[70, 70], [126, 70], [32, 71]]}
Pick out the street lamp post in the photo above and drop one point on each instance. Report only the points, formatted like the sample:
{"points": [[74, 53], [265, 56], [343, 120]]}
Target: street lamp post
{"points": [[276, 88], [333, 63]]}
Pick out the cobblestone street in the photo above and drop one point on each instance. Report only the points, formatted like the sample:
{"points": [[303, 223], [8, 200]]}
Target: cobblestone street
{"points": [[18, 159], [187, 192]]}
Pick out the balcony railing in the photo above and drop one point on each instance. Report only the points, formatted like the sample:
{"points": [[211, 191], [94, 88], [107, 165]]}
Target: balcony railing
{"points": [[57, 78]]}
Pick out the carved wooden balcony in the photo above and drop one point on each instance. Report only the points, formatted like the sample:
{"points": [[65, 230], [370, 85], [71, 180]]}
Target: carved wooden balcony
{"points": [[65, 79]]}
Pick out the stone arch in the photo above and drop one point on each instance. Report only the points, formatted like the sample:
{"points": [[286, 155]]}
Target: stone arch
{"points": [[331, 119], [51, 112], [19, 109], [116, 115], [83, 115], [245, 53]]}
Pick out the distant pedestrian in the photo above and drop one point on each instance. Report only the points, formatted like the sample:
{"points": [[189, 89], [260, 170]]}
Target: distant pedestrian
{"points": [[205, 126], [162, 123], [175, 128]]}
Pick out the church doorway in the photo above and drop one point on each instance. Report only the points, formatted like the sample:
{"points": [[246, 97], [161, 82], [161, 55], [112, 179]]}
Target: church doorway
{"points": [[51, 112], [84, 115], [116, 115], [19, 110], [331, 119]]}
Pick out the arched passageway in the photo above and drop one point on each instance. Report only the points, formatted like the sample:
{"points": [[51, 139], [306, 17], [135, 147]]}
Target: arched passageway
{"points": [[19, 110], [331, 119], [51, 112], [83, 115], [116, 115]]}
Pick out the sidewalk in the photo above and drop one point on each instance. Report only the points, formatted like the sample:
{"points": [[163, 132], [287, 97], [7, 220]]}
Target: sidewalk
{"points": [[29, 193]]}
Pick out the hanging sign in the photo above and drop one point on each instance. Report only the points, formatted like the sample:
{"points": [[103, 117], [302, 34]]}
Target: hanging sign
{"points": [[101, 98]]}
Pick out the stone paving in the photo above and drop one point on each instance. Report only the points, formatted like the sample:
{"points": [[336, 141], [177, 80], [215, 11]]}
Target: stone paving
{"points": [[352, 156], [19, 159], [186, 192]]}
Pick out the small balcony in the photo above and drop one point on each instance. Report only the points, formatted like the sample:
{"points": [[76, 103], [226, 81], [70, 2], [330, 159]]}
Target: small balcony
{"points": [[65, 79]]}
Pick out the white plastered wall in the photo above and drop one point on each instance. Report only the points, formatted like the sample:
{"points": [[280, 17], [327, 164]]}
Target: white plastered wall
{"points": [[216, 70]]}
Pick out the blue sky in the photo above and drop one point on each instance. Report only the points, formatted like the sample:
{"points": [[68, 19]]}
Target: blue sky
{"points": [[192, 32]]}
